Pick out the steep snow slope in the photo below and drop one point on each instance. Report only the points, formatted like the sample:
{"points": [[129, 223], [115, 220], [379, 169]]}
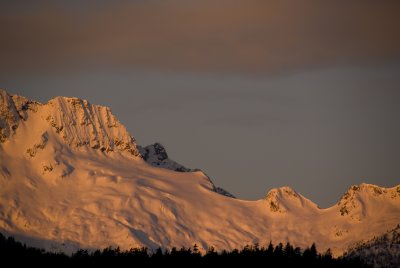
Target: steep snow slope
{"points": [[72, 176]]}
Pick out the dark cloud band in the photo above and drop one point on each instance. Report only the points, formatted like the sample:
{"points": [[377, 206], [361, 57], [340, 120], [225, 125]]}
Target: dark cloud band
{"points": [[228, 36]]}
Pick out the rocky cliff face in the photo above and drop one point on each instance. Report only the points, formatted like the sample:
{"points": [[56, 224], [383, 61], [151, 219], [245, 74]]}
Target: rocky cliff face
{"points": [[156, 155], [13, 109], [77, 122]]}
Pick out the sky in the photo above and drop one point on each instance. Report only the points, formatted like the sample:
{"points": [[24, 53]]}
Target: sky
{"points": [[258, 94]]}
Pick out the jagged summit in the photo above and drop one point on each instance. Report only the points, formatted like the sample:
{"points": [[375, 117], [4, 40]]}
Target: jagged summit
{"points": [[13, 109], [82, 124], [156, 155], [75, 122]]}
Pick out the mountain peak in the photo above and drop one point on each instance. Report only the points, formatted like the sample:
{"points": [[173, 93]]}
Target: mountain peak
{"points": [[285, 199], [156, 155], [282, 191], [371, 190], [74, 121], [82, 124], [13, 109], [356, 202]]}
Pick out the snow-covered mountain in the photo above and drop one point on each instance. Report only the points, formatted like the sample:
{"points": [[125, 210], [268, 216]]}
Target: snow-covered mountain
{"points": [[156, 155], [381, 251], [72, 176]]}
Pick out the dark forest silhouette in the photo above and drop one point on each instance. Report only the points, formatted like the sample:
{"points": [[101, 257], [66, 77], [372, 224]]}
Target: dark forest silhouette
{"points": [[14, 252]]}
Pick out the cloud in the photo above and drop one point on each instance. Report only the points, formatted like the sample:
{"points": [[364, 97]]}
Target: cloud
{"points": [[212, 36]]}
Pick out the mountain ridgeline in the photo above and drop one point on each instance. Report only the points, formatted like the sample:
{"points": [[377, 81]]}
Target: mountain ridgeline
{"points": [[72, 177]]}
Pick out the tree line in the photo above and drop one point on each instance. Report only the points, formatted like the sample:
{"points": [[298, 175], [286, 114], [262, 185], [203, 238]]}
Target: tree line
{"points": [[281, 255]]}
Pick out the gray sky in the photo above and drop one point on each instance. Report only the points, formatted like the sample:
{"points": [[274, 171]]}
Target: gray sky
{"points": [[258, 94]]}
